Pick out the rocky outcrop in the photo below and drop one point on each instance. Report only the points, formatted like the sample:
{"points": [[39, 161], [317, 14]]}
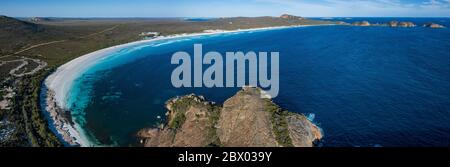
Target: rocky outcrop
{"points": [[61, 120], [244, 120], [361, 23], [190, 123], [392, 24], [403, 24], [406, 24], [433, 25], [342, 23], [290, 17]]}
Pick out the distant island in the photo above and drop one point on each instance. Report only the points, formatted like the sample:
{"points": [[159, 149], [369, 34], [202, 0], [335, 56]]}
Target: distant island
{"points": [[244, 120], [394, 23]]}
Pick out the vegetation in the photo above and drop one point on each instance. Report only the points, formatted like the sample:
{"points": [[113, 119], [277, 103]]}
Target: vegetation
{"points": [[214, 116], [279, 124], [178, 117], [179, 107], [177, 121], [30, 127], [27, 102]]}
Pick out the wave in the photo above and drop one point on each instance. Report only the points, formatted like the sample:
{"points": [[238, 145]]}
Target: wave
{"points": [[311, 117]]}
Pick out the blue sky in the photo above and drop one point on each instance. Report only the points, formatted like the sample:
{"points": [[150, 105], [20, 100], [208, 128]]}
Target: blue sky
{"points": [[224, 8]]}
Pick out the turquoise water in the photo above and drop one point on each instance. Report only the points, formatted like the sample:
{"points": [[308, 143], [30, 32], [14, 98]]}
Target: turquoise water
{"points": [[365, 86]]}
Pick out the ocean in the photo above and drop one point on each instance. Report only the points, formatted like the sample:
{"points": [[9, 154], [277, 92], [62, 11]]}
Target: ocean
{"points": [[364, 86]]}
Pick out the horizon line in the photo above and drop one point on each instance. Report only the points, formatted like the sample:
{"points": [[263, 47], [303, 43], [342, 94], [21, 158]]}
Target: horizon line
{"points": [[143, 17]]}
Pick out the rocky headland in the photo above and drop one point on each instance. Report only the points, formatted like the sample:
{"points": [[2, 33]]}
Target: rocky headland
{"points": [[62, 121], [244, 120]]}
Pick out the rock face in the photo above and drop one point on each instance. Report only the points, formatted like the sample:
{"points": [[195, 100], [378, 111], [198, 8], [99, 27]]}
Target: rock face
{"points": [[433, 25], [244, 120], [62, 119], [190, 123]]}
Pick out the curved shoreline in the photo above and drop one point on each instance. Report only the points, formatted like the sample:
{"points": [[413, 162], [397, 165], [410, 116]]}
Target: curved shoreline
{"points": [[61, 81]]}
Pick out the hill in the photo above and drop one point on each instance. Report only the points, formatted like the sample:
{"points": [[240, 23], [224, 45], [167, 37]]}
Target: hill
{"points": [[14, 33], [12, 25]]}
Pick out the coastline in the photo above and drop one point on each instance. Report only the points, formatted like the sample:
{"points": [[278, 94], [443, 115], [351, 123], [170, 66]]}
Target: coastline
{"points": [[59, 83]]}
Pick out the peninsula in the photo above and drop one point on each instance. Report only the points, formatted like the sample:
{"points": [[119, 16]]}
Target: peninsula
{"points": [[244, 120]]}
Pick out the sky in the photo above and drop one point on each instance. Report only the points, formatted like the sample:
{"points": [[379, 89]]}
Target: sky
{"points": [[224, 8]]}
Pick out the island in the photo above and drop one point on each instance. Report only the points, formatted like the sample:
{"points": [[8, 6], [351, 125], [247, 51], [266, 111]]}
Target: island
{"points": [[393, 24], [433, 25], [244, 120]]}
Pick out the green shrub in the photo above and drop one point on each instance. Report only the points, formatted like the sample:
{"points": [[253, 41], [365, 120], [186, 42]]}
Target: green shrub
{"points": [[279, 124]]}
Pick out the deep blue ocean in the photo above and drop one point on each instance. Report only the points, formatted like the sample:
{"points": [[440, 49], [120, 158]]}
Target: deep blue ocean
{"points": [[365, 86]]}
